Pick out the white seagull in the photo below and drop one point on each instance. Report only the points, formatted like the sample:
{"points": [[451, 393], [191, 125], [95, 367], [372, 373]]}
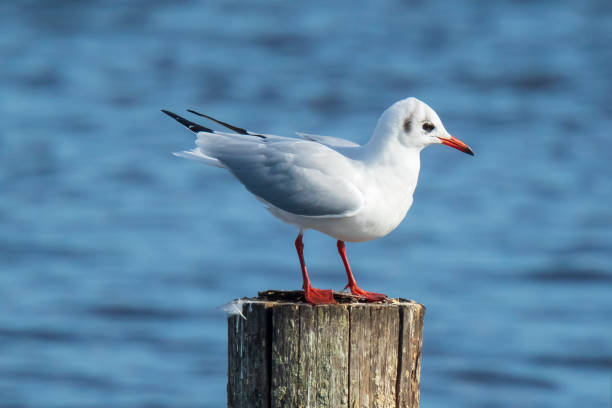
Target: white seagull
{"points": [[351, 192]]}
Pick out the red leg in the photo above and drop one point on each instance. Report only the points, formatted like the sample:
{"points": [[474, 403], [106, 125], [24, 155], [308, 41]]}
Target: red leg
{"points": [[352, 284], [313, 295]]}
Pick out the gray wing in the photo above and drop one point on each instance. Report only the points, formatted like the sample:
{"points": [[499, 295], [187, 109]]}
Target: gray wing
{"points": [[327, 140], [300, 177]]}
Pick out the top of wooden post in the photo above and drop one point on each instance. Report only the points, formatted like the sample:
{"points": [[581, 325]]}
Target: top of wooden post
{"points": [[297, 297]]}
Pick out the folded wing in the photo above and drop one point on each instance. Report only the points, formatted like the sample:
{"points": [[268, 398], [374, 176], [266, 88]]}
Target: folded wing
{"points": [[302, 177], [327, 140]]}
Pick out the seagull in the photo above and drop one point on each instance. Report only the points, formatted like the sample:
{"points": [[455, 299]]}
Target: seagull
{"points": [[350, 192]]}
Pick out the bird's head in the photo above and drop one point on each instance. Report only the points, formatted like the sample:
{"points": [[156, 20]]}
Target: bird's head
{"points": [[417, 125]]}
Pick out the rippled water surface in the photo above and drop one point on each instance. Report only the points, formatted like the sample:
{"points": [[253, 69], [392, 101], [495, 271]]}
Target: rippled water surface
{"points": [[115, 256]]}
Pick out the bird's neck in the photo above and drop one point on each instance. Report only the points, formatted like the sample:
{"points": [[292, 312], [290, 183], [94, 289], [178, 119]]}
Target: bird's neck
{"points": [[397, 163], [384, 148]]}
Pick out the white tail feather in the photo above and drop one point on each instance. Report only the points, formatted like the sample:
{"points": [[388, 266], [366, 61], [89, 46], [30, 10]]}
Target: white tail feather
{"points": [[196, 154]]}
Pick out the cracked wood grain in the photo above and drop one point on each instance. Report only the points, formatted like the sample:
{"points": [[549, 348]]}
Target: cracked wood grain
{"points": [[291, 354]]}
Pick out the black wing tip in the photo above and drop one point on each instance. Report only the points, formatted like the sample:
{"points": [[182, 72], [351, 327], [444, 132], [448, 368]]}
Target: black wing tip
{"points": [[194, 127], [199, 114], [236, 129]]}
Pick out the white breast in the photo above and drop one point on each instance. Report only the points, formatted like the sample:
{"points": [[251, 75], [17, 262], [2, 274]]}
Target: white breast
{"points": [[388, 193]]}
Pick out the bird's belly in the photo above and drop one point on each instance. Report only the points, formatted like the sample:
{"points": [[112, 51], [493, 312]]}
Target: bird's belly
{"points": [[355, 229], [372, 222]]}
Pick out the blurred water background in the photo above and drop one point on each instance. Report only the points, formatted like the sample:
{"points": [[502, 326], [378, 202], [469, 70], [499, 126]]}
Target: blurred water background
{"points": [[115, 255]]}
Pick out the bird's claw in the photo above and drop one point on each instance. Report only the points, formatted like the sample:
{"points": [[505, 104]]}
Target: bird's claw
{"points": [[316, 296], [368, 296]]}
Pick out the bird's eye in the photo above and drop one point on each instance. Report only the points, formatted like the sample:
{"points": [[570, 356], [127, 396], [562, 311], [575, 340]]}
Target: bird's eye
{"points": [[428, 127]]}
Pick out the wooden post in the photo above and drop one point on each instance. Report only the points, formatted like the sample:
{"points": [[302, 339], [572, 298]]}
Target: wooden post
{"points": [[287, 353]]}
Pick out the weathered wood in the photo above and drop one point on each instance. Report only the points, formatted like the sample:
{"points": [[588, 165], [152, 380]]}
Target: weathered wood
{"points": [[374, 355], [249, 365], [288, 353], [411, 340]]}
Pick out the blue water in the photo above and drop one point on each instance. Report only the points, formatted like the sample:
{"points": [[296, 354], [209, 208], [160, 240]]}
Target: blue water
{"points": [[115, 255]]}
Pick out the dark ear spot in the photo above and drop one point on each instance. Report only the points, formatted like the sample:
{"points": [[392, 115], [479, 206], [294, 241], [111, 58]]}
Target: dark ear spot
{"points": [[407, 125]]}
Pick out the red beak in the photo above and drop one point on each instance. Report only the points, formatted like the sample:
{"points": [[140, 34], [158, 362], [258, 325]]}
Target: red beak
{"points": [[457, 144]]}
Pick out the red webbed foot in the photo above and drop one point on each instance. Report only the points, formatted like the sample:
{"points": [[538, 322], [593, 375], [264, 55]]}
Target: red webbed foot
{"points": [[316, 296], [369, 296]]}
